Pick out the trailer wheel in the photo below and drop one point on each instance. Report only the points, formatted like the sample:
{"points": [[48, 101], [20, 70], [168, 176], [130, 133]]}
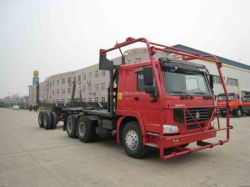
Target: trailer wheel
{"points": [[40, 120], [85, 129], [54, 120], [47, 119], [132, 140], [71, 126], [238, 113]]}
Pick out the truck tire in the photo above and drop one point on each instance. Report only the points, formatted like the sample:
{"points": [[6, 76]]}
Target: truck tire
{"points": [[40, 120], [47, 119], [185, 145], [85, 129], [54, 120], [132, 140], [238, 113], [71, 127]]}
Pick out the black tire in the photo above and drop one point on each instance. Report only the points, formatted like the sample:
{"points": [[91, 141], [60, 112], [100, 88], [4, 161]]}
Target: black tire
{"points": [[85, 129], [47, 119], [248, 113], [185, 145], [71, 126], [54, 120], [238, 113], [132, 140], [223, 114], [40, 120]]}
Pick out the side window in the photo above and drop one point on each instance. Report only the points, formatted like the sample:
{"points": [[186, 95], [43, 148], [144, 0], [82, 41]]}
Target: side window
{"points": [[140, 82]]}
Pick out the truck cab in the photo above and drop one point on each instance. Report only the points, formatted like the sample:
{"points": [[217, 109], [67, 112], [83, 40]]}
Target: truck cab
{"points": [[235, 104], [246, 104], [164, 103], [183, 85]]}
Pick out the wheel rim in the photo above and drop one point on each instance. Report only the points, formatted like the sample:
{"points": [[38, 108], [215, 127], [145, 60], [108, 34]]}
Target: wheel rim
{"points": [[131, 140], [239, 112], [69, 126], [45, 121], [82, 129]]}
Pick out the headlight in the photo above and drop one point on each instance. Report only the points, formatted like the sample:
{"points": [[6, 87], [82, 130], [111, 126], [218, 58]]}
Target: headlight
{"points": [[170, 129]]}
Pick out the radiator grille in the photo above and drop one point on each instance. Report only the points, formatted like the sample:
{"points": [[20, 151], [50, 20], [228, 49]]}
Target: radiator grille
{"points": [[195, 126], [198, 114]]}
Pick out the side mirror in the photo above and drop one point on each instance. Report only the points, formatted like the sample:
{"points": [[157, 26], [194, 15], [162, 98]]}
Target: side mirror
{"points": [[149, 82], [104, 63], [148, 76]]}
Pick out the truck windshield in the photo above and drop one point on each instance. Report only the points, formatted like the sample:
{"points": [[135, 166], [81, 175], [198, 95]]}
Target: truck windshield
{"points": [[223, 97], [184, 82]]}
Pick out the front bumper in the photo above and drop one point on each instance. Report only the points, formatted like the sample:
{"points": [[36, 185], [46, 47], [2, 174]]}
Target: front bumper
{"points": [[176, 141]]}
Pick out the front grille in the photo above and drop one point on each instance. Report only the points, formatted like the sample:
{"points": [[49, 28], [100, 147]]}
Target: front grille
{"points": [[195, 126], [198, 114]]}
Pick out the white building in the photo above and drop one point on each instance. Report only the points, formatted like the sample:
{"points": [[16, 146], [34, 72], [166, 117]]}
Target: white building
{"points": [[92, 83]]}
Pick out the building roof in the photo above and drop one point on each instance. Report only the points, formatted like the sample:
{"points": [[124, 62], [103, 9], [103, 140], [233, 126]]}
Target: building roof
{"points": [[221, 59]]}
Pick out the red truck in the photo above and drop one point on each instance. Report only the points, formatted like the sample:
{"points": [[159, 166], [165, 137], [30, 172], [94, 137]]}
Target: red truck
{"points": [[246, 104], [235, 104], [162, 103]]}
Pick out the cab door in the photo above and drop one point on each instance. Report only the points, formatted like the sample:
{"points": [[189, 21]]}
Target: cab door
{"points": [[148, 107]]}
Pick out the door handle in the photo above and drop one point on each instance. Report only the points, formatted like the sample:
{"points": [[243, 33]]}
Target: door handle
{"points": [[136, 98]]}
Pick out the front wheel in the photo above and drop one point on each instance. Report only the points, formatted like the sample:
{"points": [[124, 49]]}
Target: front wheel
{"points": [[132, 140], [238, 113], [223, 115]]}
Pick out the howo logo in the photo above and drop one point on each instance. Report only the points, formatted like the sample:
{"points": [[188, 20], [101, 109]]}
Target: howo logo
{"points": [[197, 115]]}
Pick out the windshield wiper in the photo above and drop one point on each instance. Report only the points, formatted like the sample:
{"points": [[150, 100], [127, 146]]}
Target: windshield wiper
{"points": [[203, 93], [183, 93]]}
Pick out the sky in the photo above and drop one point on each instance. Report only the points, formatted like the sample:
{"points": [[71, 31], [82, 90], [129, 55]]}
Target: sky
{"points": [[55, 36]]}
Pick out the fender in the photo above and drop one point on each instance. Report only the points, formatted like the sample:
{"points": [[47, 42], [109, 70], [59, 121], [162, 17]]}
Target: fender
{"points": [[125, 114]]}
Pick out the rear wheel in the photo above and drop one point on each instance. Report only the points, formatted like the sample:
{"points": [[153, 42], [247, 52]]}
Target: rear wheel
{"points": [[132, 140], [85, 129], [54, 120], [71, 126], [40, 120], [47, 119]]}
